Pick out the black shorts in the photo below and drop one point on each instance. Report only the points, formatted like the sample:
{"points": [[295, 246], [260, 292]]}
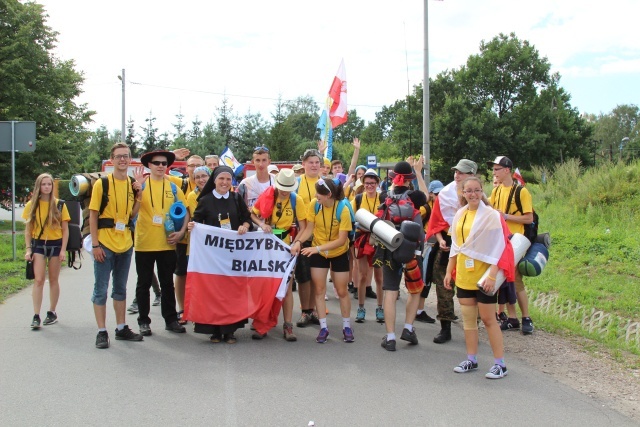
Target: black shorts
{"points": [[339, 264], [479, 296], [48, 248], [303, 266], [507, 293], [181, 260]]}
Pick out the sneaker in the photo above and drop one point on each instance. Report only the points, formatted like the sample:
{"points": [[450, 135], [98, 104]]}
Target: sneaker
{"points": [[465, 366], [50, 319], [501, 317], [175, 327], [355, 294], [425, 318], [304, 321], [287, 331], [133, 308], [370, 293], [127, 334], [496, 372], [35, 323], [351, 287], [145, 329], [157, 301], [510, 325], [388, 345], [258, 336], [102, 340], [380, 315], [527, 326], [314, 317], [348, 335], [360, 315], [409, 336], [322, 336]]}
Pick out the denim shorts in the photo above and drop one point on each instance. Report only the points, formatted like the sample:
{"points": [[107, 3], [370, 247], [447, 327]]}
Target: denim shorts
{"points": [[48, 248], [115, 265]]}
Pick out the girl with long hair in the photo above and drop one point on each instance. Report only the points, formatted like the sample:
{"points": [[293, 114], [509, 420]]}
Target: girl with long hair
{"points": [[46, 234]]}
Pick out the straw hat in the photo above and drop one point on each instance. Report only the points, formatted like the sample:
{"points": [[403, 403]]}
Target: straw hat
{"points": [[286, 180]]}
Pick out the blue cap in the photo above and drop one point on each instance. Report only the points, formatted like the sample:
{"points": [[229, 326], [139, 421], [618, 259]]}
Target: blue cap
{"points": [[435, 187]]}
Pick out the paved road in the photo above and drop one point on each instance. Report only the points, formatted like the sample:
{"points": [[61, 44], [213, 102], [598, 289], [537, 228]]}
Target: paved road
{"points": [[55, 376]]}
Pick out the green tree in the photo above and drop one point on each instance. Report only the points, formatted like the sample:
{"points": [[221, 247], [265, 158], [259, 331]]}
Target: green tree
{"points": [[302, 117], [179, 132], [253, 132], [282, 141], [611, 129], [38, 86], [349, 130], [98, 149], [149, 135], [131, 138]]}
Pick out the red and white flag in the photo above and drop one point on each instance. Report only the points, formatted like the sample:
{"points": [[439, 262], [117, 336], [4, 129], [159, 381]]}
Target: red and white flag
{"points": [[231, 277], [518, 177], [338, 96]]}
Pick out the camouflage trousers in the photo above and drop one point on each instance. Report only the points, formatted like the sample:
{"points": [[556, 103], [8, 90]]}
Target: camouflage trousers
{"points": [[445, 296]]}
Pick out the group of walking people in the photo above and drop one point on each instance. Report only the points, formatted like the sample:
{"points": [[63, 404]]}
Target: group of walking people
{"points": [[311, 207]]}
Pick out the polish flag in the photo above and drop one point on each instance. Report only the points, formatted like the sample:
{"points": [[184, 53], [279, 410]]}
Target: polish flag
{"points": [[518, 177], [338, 95], [232, 278]]}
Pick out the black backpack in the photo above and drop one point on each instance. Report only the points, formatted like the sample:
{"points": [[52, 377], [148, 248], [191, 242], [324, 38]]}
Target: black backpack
{"points": [[74, 243], [530, 230]]}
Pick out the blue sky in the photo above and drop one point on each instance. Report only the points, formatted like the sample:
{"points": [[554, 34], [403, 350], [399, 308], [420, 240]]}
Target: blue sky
{"points": [[180, 57]]}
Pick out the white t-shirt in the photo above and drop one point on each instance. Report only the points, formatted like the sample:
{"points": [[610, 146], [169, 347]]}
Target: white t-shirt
{"points": [[254, 189]]}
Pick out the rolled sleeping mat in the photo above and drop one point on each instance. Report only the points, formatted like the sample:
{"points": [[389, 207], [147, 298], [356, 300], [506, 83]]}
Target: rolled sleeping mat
{"points": [[79, 185], [534, 260], [177, 212], [544, 238], [413, 235], [387, 234], [520, 245]]}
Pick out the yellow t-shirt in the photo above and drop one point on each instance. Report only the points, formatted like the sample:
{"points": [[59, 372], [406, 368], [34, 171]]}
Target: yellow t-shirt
{"points": [[121, 200], [192, 204], [465, 278], [500, 197], [327, 227], [286, 214], [157, 198], [307, 188], [42, 212], [369, 203]]}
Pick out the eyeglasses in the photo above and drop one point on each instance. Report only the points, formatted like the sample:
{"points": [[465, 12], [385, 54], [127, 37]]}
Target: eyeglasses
{"points": [[121, 157], [477, 191], [193, 166], [261, 148], [370, 184], [159, 163], [497, 169], [279, 211], [324, 184]]}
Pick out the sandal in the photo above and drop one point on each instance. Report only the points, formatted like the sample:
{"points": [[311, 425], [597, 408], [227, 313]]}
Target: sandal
{"points": [[181, 321], [230, 338], [215, 339]]}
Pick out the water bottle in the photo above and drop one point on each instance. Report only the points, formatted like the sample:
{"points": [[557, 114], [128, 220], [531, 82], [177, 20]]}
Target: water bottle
{"points": [[169, 227], [293, 231]]}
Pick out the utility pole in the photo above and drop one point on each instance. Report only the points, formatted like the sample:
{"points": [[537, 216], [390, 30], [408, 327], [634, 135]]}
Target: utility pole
{"points": [[123, 136], [426, 142]]}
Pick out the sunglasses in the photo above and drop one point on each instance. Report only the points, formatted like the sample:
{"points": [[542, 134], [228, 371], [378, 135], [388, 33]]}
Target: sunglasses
{"points": [[279, 211], [261, 148], [159, 163]]}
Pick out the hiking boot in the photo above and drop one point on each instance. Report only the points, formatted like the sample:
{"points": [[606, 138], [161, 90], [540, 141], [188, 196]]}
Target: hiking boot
{"points": [[411, 337], [157, 301], [465, 366], [360, 315], [370, 293], [527, 326], [510, 325], [425, 318], [380, 315], [175, 327], [304, 321], [388, 345], [496, 372], [127, 334], [351, 287], [258, 336], [102, 340], [347, 334], [145, 329], [50, 319], [322, 336], [445, 332], [314, 317], [35, 323], [287, 331], [133, 308]]}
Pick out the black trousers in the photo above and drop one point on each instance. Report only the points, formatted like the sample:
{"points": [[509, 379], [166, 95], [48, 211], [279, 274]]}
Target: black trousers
{"points": [[166, 264]]}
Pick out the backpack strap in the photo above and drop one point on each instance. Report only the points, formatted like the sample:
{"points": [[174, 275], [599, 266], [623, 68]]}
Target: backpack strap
{"points": [[518, 201], [292, 201], [105, 194], [514, 190], [185, 185], [358, 200]]}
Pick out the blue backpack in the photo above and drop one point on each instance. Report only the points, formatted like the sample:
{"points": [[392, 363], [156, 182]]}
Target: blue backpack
{"points": [[341, 204]]}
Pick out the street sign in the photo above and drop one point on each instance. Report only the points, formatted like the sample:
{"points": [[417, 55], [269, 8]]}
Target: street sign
{"points": [[25, 136], [372, 161]]}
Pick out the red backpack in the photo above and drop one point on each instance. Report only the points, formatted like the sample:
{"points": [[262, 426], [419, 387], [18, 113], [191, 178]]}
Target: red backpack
{"points": [[399, 208]]}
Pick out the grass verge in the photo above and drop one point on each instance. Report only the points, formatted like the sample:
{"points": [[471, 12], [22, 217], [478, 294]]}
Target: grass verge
{"points": [[11, 272]]}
